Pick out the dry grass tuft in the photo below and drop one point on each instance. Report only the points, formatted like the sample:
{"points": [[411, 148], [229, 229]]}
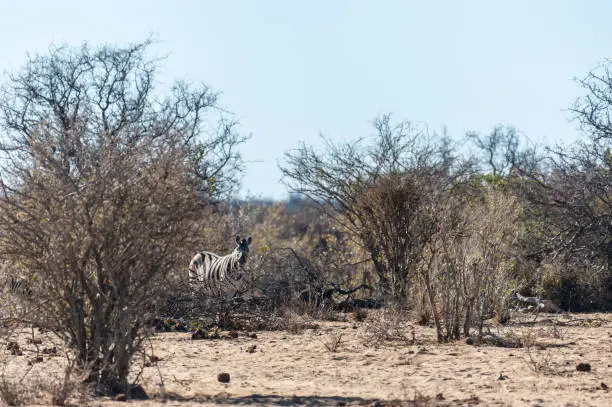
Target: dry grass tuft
{"points": [[333, 342], [390, 325], [294, 323]]}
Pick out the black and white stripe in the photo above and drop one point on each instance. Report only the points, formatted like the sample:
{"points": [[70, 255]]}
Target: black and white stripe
{"points": [[20, 287], [207, 266]]}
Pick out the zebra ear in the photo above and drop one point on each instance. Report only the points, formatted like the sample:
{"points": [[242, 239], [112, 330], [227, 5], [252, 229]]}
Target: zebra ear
{"points": [[249, 240], [237, 239]]}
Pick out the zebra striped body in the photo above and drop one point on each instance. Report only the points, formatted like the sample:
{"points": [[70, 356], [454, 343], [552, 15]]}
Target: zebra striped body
{"points": [[20, 287], [207, 266]]}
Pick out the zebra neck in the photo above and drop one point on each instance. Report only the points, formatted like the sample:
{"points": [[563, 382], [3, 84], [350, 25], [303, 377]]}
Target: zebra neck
{"points": [[236, 256]]}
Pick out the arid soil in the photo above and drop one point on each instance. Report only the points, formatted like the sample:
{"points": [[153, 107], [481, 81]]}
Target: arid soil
{"points": [[378, 361]]}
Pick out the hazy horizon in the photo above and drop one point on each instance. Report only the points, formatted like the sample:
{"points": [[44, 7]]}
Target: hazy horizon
{"points": [[290, 71]]}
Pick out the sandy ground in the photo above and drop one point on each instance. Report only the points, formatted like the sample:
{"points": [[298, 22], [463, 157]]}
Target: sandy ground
{"points": [[409, 368]]}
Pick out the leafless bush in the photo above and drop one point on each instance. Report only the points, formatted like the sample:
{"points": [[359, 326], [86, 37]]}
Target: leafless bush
{"points": [[395, 220], [540, 359], [374, 192], [574, 284], [288, 280], [99, 194], [333, 342], [224, 303], [292, 322], [558, 331], [522, 339], [312, 235], [388, 326], [570, 203], [468, 271], [460, 238], [422, 217]]}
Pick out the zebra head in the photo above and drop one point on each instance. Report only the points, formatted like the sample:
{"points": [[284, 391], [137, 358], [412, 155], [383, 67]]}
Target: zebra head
{"points": [[242, 248]]}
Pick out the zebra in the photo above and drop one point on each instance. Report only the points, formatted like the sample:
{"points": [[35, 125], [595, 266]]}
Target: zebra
{"points": [[20, 287], [207, 266]]}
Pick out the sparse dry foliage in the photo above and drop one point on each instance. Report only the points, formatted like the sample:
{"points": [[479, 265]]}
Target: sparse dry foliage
{"points": [[389, 326], [293, 322], [99, 182], [540, 358], [333, 341], [469, 273], [373, 191], [424, 221], [297, 228], [571, 201]]}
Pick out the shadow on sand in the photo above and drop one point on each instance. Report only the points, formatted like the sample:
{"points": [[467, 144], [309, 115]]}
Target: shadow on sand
{"points": [[274, 400]]}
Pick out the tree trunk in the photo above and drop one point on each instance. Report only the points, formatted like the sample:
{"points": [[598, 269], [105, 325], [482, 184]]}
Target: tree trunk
{"points": [[432, 305]]}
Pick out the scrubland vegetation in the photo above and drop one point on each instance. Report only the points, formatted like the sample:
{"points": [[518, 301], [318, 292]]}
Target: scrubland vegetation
{"points": [[109, 188]]}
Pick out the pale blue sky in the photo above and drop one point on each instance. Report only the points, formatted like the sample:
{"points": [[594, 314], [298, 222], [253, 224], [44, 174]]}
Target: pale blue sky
{"points": [[291, 70]]}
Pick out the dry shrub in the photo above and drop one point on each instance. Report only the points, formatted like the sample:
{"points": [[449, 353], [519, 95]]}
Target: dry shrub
{"points": [[555, 330], [540, 360], [102, 182], [576, 284], [392, 221], [372, 188], [389, 325], [527, 338], [469, 267], [214, 302], [292, 322], [558, 331], [572, 200], [523, 339], [301, 225], [288, 280], [333, 342]]}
